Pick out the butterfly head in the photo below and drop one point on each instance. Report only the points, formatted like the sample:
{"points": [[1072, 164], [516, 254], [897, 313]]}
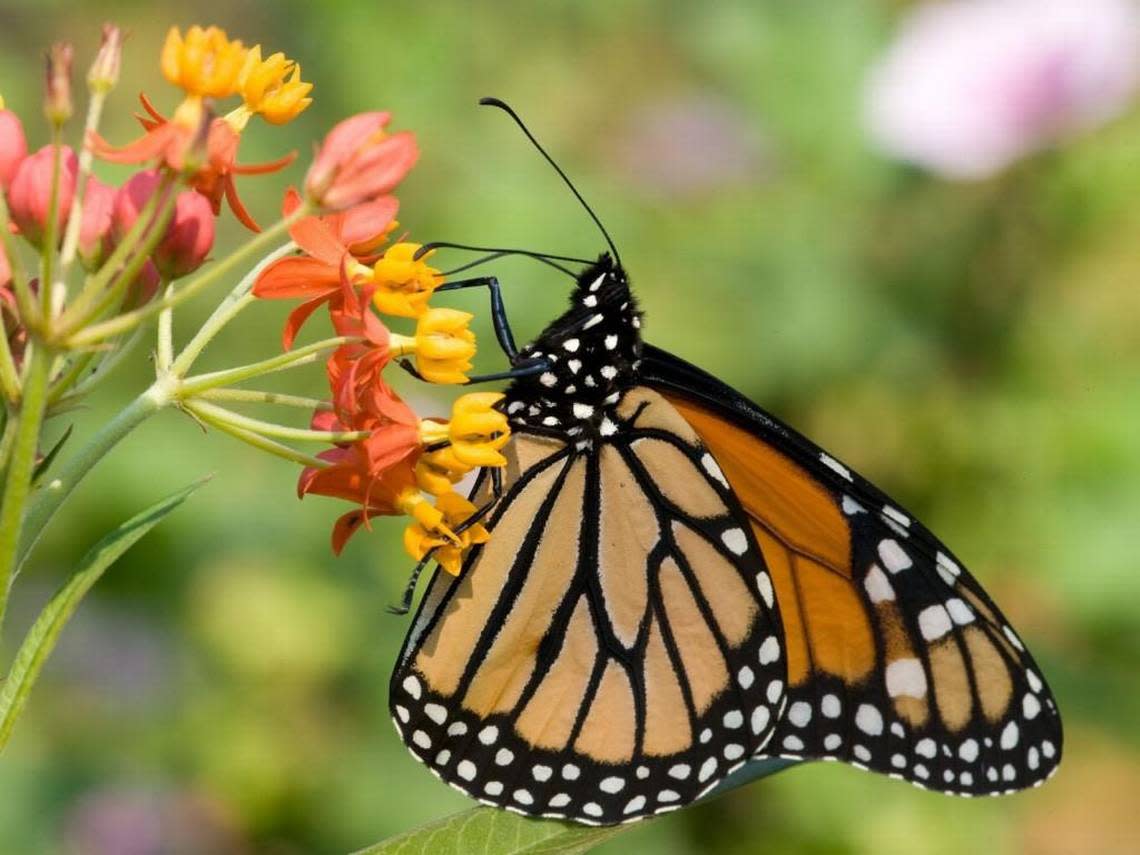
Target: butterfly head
{"points": [[592, 351]]}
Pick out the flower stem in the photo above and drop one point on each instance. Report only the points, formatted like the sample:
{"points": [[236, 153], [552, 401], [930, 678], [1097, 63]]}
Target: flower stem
{"points": [[254, 396], [22, 464], [128, 320], [273, 429], [310, 353], [86, 157], [68, 474], [164, 350], [251, 438], [20, 286], [63, 389], [51, 227], [9, 376], [240, 297]]}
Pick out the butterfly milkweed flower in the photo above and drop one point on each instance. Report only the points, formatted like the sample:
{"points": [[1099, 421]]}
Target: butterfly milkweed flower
{"points": [[272, 88], [446, 544], [188, 237], [13, 145], [968, 87], [359, 161], [476, 431], [205, 63], [29, 196], [443, 345], [95, 223], [403, 283]]}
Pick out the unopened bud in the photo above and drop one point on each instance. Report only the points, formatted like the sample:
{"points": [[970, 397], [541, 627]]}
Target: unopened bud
{"points": [[104, 72], [57, 91]]}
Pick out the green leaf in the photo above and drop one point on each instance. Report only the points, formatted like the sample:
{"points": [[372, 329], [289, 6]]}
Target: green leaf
{"points": [[494, 831], [41, 638]]}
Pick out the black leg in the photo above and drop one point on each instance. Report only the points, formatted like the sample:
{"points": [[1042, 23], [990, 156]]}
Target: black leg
{"points": [[498, 310], [523, 369]]}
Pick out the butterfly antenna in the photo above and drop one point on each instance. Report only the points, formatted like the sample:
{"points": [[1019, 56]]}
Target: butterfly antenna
{"points": [[502, 105]]}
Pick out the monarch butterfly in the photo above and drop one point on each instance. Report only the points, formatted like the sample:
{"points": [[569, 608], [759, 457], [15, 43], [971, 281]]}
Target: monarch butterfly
{"points": [[678, 584]]}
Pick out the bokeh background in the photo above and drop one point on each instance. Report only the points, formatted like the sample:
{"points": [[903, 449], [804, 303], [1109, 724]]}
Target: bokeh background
{"points": [[972, 346]]}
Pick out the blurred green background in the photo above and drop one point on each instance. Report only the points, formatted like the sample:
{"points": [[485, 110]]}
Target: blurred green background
{"points": [[971, 348]]}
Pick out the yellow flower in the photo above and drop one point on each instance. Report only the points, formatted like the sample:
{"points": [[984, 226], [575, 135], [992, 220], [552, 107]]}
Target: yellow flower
{"points": [[403, 284], [476, 431], [266, 91], [443, 345], [205, 63], [448, 550], [437, 470]]}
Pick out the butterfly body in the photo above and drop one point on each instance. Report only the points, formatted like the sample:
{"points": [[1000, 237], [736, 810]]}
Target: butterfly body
{"points": [[676, 584]]}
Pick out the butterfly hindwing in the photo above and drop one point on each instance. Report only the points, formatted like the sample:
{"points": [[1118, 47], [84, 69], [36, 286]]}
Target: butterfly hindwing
{"points": [[897, 659], [614, 650]]}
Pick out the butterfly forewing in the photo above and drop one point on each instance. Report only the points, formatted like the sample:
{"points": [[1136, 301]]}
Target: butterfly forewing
{"points": [[897, 660], [614, 650]]}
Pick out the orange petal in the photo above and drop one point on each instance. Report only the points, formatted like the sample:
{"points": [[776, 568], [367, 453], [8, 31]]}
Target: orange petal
{"points": [[296, 277]]}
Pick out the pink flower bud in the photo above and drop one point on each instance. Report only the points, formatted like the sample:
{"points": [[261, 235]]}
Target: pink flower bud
{"points": [[130, 200], [189, 238], [358, 161], [29, 196], [104, 72], [95, 226], [13, 146], [143, 288]]}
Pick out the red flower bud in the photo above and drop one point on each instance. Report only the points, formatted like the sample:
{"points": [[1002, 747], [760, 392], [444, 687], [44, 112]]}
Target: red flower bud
{"points": [[95, 225], [358, 161], [29, 196], [13, 146], [131, 199], [189, 237]]}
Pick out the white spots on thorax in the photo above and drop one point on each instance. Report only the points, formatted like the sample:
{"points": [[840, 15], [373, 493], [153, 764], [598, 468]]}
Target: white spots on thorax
{"points": [[590, 300], [736, 540], [548, 379], [933, 622], [575, 365], [597, 283], [607, 371], [550, 421], [593, 322], [834, 465], [714, 471], [582, 411], [607, 428], [893, 556], [877, 585], [611, 342], [571, 345], [412, 686], [514, 407], [906, 677], [869, 720]]}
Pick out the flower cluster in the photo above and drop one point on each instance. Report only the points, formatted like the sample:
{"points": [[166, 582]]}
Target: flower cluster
{"points": [[395, 461]]}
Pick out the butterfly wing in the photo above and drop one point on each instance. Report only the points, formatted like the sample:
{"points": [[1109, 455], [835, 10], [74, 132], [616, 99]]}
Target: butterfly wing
{"points": [[613, 651], [897, 659]]}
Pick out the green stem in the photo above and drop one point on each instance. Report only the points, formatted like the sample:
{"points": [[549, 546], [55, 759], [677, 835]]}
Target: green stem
{"points": [[86, 158], [47, 252], [221, 414], [9, 376], [20, 286], [253, 396], [22, 464], [191, 386], [6, 440], [120, 351], [127, 320], [68, 474], [254, 439], [240, 297], [164, 349]]}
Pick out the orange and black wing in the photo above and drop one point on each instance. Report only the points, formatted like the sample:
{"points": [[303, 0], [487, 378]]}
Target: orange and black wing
{"points": [[897, 660], [613, 651]]}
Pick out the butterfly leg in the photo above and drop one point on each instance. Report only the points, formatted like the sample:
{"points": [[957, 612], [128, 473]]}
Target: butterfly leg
{"points": [[523, 369], [498, 310]]}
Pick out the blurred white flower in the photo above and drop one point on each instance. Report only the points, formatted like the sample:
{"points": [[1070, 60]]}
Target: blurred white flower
{"points": [[970, 86]]}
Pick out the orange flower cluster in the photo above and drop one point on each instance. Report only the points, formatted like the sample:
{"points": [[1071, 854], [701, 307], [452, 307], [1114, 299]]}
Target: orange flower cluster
{"points": [[402, 462]]}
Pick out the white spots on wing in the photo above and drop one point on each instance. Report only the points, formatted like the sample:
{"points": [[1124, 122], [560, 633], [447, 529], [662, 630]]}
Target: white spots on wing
{"points": [[466, 770], [793, 743], [898, 761], [933, 622], [834, 465], [582, 411], [869, 720], [713, 469], [421, 739], [668, 796], [896, 515], [832, 741], [642, 772], [707, 769], [541, 773], [966, 779], [680, 771], [733, 719], [893, 556], [611, 342], [851, 507], [442, 757], [504, 757], [960, 613], [493, 788], [745, 677], [607, 371], [412, 686], [547, 379], [571, 772], [635, 804], [515, 406], [1033, 759], [775, 689], [830, 706], [705, 736], [1034, 681], [559, 800], [436, 713], [1047, 749], [921, 771], [948, 569], [1009, 736], [906, 677], [612, 785], [799, 713], [489, 734], [523, 797], [926, 748], [402, 714], [733, 751], [1013, 639], [571, 345], [878, 586], [764, 585], [897, 729], [759, 719], [863, 753], [1008, 773], [456, 728], [593, 322], [1030, 706], [735, 540], [550, 421], [608, 428]]}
